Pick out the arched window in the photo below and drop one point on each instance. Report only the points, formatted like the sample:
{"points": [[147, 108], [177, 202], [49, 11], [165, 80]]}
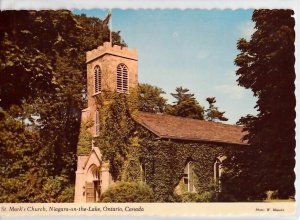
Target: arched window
{"points": [[97, 77], [122, 78], [218, 174], [188, 177], [97, 122]]}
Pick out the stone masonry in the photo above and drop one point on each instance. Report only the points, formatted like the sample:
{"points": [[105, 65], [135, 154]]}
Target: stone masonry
{"points": [[92, 175]]}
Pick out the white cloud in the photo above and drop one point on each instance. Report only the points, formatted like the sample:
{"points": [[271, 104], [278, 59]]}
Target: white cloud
{"points": [[246, 29], [233, 91]]}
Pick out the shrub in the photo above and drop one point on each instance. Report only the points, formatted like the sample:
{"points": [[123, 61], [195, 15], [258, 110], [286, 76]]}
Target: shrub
{"points": [[189, 197], [207, 197], [67, 195], [128, 192], [195, 197], [56, 189]]}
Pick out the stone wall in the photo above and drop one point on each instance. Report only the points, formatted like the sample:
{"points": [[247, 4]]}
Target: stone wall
{"points": [[108, 58]]}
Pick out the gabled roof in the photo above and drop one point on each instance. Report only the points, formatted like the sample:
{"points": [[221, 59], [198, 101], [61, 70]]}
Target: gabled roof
{"points": [[97, 152], [179, 128]]}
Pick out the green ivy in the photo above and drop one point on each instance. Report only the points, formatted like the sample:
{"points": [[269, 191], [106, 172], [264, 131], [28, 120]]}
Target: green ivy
{"points": [[127, 145], [85, 137], [117, 129], [165, 161]]}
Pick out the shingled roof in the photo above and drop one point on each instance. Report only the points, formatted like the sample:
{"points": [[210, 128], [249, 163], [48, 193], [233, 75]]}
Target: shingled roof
{"points": [[179, 128]]}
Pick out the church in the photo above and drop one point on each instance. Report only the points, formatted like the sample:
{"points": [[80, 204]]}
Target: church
{"points": [[188, 153]]}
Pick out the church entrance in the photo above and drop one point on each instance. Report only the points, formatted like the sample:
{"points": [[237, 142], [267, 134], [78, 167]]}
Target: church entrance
{"points": [[93, 185]]}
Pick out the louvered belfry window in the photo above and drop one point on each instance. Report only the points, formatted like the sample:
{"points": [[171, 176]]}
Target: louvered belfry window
{"points": [[97, 75], [122, 78]]}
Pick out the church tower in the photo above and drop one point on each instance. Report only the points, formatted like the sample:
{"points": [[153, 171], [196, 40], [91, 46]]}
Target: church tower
{"points": [[109, 69]]}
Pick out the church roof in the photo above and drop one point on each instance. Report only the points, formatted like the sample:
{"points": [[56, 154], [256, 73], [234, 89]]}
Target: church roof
{"points": [[180, 128]]}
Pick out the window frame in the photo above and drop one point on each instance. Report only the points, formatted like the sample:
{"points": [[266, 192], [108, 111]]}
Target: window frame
{"points": [[218, 174], [97, 79], [188, 177], [122, 79]]}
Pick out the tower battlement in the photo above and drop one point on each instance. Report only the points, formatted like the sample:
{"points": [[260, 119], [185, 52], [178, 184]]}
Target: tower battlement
{"points": [[114, 50]]}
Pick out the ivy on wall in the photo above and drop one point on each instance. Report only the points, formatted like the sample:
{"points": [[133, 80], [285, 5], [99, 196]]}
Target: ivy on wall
{"points": [[85, 137], [127, 145], [117, 129], [165, 161]]}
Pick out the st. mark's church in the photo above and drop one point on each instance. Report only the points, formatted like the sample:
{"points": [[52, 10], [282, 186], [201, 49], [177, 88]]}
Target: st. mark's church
{"points": [[112, 68]]}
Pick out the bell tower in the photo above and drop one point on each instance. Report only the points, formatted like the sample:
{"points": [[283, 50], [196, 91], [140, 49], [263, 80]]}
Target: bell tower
{"points": [[109, 69]]}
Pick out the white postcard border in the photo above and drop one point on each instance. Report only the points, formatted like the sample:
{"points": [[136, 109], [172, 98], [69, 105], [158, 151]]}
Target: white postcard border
{"points": [[291, 209]]}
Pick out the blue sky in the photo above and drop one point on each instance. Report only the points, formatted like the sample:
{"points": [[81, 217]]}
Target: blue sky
{"points": [[190, 48]]}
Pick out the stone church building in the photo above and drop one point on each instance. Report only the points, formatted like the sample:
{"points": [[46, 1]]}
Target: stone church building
{"points": [[116, 69]]}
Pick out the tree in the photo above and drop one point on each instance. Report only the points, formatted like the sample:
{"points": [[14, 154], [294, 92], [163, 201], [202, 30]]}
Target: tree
{"points": [[16, 165], [213, 113], [42, 90], [266, 66], [185, 105], [150, 99]]}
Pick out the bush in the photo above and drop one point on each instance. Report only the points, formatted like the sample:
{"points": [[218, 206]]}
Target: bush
{"points": [[67, 195], [189, 197], [128, 192], [195, 197], [207, 197], [57, 189]]}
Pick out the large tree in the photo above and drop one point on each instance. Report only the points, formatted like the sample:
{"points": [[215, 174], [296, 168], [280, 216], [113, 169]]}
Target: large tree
{"points": [[266, 66], [150, 98], [185, 105], [42, 89], [213, 113]]}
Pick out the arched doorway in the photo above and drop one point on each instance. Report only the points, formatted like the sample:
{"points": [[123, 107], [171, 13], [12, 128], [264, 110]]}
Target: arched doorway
{"points": [[92, 184]]}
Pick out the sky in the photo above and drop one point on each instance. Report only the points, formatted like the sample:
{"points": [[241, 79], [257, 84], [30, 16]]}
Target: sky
{"points": [[194, 49]]}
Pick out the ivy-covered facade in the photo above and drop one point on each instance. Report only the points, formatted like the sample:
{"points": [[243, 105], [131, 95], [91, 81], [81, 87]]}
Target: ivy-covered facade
{"points": [[180, 159], [175, 165]]}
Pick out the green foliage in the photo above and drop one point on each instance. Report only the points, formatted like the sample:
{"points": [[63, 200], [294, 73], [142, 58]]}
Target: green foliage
{"points": [[207, 197], [43, 86], [126, 145], [57, 189], [266, 66], [163, 172], [185, 105], [24, 169], [85, 137], [128, 192], [117, 127], [132, 166], [67, 194], [150, 99], [17, 168], [189, 197], [195, 197], [213, 113]]}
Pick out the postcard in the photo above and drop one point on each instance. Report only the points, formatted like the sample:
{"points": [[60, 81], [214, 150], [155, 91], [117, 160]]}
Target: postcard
{"points": [[142, 111]]}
